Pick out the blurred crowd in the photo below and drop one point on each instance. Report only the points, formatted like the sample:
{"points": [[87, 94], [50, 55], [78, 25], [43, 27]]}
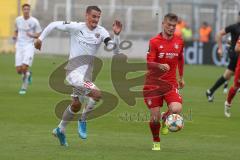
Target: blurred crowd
{"points": [[204, 33]]}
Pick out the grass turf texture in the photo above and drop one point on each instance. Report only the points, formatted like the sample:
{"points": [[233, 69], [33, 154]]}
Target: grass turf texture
{"points": [[26, 121]]}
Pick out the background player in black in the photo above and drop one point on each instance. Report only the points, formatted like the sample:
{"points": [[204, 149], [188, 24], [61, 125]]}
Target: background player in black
{"points": [[234, 30], [228, 45]]}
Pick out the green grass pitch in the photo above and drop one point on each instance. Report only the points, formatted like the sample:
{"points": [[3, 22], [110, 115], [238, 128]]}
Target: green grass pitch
{"points": [[26, 121]]}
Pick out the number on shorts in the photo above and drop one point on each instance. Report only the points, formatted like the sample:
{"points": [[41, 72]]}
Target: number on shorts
{"points": [[88, 84]]}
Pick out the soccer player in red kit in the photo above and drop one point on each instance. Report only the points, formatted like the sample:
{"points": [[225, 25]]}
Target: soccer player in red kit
{"points": [[164, 57], [233, 90]]}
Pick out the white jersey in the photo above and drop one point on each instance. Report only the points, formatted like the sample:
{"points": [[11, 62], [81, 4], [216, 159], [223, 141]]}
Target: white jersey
{"points": [[30, 25], [83, 41]]}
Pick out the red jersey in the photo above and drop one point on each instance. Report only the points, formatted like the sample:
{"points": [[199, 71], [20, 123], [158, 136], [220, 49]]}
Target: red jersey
{"points": [[237, 70], [165, 51]]}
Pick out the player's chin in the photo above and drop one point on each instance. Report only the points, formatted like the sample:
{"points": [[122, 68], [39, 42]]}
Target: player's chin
{"points": [[171, 33], [94, 24]]}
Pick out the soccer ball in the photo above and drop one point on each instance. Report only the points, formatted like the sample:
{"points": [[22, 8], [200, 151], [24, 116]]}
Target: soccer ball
{"points": [[174, 122]]}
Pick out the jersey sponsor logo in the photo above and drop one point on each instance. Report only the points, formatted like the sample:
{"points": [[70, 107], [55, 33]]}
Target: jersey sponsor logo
{"points": [[171, 55], [88, 84], [168, 55]]}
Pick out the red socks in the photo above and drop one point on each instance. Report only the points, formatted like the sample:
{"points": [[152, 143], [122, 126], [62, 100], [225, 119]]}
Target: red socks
{"points": [[231, 95], [155, 128], [165, 115]]}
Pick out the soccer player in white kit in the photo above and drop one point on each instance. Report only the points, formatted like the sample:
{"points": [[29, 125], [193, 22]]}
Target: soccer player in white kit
{"points": [[85, 39], [27, 28]]}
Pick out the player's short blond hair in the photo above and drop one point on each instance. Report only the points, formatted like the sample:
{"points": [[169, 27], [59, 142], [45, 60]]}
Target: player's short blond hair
{"points": [[171, 17]]}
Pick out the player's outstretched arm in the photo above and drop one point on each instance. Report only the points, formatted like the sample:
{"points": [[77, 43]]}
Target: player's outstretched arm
{"points": [[54, 25], [59, 25], [219, 36], [38, 44], [117, 27], [114, 44], [181, 82], [15, 34], [45, 33]]}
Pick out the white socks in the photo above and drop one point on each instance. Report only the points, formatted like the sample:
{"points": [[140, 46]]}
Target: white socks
{"points": [[25, 80], [89, 107], [68, 116]]}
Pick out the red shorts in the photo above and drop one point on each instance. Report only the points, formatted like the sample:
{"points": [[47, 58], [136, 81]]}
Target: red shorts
{"points": [[157, 101], [237, 75]]}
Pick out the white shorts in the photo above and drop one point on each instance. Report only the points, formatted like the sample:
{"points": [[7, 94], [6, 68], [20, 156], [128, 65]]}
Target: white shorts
{"points": [[79, 84], [24, 55]]}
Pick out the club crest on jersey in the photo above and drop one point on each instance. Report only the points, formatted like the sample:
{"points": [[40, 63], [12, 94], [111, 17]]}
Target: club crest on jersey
{"points": [[161, 46], [97, 35], [176, 46]]}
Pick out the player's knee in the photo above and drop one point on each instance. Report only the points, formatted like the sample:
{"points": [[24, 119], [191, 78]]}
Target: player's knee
{"points": [[176, 108], [155, 118], [98, 96], [19, 70], [228, 74], [228, 77], [24, 68], [76, 106]]}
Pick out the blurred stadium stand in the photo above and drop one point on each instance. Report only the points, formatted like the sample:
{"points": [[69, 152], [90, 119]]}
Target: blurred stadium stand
{"points": [[8, 13], [141, 18]]}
